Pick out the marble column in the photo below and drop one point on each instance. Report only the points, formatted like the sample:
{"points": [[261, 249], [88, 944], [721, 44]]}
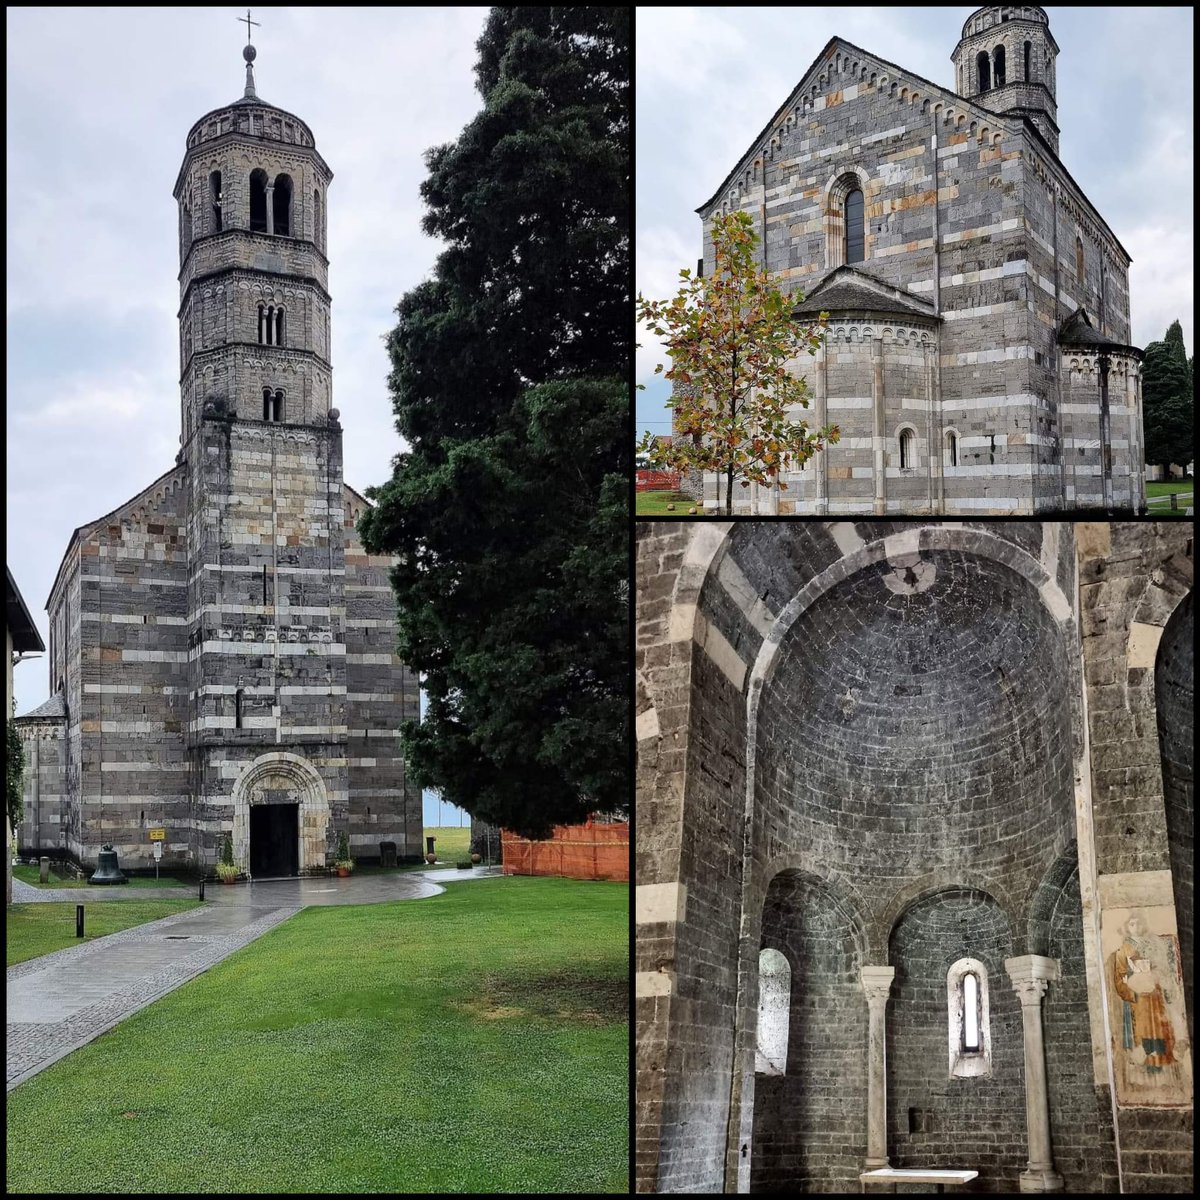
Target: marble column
{"points": [[270, 208], [877, 985], [1031, 974]]}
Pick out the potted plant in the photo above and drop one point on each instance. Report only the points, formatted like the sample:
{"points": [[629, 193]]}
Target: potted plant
{"points": [[344, 863], [226, 868]]}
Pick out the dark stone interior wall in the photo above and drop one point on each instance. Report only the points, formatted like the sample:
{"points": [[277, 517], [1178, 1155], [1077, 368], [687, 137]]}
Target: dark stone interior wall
{"points": [[935, 1120], [704, 1006], [1175, 698], [810, 1123], [1080, 1113]]}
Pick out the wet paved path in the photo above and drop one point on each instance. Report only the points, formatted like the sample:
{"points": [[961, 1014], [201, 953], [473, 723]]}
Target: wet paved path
{"points": [[63, 1000]]}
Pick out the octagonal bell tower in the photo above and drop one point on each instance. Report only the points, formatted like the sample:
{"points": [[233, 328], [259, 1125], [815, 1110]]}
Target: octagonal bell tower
{"points": [[253, 301], [1005, 60]]}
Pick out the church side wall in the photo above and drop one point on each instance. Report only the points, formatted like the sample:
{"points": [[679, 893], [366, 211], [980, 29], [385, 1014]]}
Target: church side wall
{"points": [[381, 694], [46, 817], [133, 653], [1067, 401]]}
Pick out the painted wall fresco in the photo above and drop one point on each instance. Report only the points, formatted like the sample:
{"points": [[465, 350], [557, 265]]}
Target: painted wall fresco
{"points": [[1144, 982]]}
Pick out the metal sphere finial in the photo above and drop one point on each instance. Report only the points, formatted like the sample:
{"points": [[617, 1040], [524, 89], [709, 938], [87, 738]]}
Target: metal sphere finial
{"points": [[249, 53]]}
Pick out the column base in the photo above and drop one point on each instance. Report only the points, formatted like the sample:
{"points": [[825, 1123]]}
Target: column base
{"points": [[876, 1164], [1033, 1180]]}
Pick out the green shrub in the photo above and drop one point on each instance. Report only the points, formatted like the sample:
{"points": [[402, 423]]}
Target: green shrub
{"points": [[227, 851]]}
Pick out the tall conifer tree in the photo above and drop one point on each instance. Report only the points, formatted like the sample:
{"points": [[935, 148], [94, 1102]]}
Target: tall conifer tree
{"points": [[509, 382], [1167, 409]]}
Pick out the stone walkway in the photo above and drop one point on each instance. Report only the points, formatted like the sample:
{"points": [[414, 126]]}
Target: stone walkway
{"points": [[26, 893], [63, 1000]]}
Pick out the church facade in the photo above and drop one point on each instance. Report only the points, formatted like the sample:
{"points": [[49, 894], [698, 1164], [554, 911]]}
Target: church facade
{"points": [[222, 649], [977, 358]]}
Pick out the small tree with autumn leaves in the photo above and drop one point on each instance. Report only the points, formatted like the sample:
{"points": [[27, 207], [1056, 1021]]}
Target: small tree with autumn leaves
{"points": [[730, 337]]}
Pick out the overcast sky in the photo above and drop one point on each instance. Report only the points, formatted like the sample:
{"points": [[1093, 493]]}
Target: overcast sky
{"points": [[100, 101], [709, 79]]}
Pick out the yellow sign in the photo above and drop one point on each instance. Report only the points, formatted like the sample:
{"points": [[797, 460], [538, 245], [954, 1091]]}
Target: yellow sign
{"points": [[158, 835]]}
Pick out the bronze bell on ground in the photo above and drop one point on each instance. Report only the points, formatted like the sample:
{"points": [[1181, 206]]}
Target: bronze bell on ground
{"points": [[107, 871]]}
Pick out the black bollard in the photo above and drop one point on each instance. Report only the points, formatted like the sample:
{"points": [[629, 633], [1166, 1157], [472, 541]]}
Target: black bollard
{"points": [[202, 890], [79, 920]]}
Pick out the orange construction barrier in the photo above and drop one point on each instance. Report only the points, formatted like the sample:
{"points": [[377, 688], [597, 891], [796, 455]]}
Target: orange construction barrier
{"points": [[590, 851]]}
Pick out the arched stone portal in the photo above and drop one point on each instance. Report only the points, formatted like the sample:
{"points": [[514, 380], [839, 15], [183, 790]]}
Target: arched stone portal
{"points": [[282, 779]]}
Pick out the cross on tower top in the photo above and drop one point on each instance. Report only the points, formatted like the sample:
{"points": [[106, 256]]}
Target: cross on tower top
{"points": [[249, 22]]}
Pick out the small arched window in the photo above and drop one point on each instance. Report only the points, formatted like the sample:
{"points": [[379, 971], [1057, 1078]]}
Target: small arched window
{"points": [[969, 1020], [258, 200], [282, 199], [998, 73], [908, 457], [774, 1013], [952, 449], [1028, 61], [1079, 273], [214, 190], [855, 228], [985, 70]]}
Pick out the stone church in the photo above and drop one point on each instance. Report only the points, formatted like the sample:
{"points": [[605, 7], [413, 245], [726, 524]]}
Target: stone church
{"points": [[977, 358], [914, 867], [221, 647]]}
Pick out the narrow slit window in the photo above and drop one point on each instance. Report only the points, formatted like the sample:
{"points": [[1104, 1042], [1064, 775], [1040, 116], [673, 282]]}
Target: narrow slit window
{"points": [[970, 1012], [279, 327], [237, 708], [214, 183], [952, 449], [906, 449], [266, 404], [774, 1011], [1028, 56], [855, 231], [264, 583]]}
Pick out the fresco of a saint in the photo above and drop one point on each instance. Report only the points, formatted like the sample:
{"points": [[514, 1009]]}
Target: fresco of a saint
{"points": [[1138, 978]]}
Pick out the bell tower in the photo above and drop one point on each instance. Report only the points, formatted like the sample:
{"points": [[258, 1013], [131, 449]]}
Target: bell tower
{"points": [[262, 455], [1005, 60], [253, 300]]}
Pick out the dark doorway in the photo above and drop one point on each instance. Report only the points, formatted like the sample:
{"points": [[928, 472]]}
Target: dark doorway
{"points": [[274, 840]]}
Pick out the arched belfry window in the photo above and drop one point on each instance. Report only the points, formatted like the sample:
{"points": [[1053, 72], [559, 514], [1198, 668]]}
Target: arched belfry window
{"points": [[998, 73], [272, 405], [970, 1036], [774, 1012], [279, 326], [985, 70], [215, 199], [258, 200], [855, 228], [1028, 59], [282, 200]]}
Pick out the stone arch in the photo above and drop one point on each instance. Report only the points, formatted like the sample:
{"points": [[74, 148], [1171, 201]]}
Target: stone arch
{"points": [[1045, 898], [297, 776], [921, 891], [837, 189]]}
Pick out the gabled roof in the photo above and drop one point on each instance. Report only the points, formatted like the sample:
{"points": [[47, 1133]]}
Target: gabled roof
{"points": [[847, 289], [24, 634], [1077, 332], [967, 103]]}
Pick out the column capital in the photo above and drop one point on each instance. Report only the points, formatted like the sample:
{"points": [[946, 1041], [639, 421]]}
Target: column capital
{"points": [[877, 983], [1031, 974]]}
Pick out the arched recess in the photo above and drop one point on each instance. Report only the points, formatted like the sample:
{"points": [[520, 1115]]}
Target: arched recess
{"points": [[273, 773], [282, 201], [808, 1130], [837, 191], [935, 1119], [1174, 696]]}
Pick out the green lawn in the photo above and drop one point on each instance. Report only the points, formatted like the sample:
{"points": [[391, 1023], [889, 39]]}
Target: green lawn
{"points": [[473, 1042], [34, 929], [452, 842], [28, 874], [654, 504]]}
